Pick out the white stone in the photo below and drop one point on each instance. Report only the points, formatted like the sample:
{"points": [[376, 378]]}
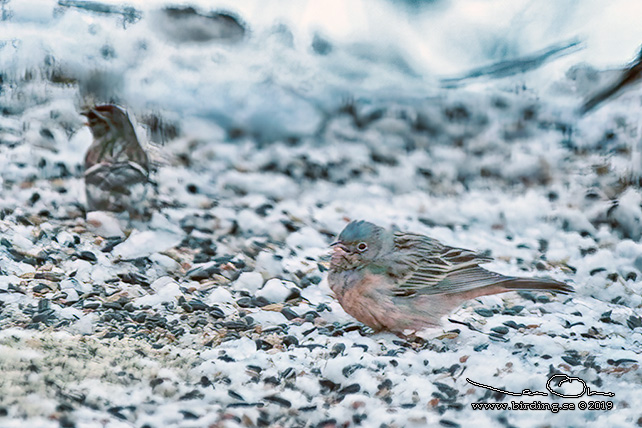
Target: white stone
{"points": [[165, 262], [306, 238], [142, 244], [248, 281], [219, 295], [276, 290], [104, 224], [6, 280]]}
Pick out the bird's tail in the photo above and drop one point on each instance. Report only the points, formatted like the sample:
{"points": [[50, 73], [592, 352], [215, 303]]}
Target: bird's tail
{"points": [[544, 284]]}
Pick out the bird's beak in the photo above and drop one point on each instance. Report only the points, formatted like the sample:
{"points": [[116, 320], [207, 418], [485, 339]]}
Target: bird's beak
{"points": [[339, 244], [94, 112], [86, 114], [89, 110]]}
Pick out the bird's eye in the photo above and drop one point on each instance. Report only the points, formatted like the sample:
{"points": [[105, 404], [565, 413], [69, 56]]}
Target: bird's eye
{"points": [[362, 246]]}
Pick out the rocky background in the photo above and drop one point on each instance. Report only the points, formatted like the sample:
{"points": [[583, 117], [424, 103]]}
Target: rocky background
{"points": [[265, 141]]}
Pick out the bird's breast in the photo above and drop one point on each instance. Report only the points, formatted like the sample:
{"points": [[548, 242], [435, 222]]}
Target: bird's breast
{"points": [[357, 282]]}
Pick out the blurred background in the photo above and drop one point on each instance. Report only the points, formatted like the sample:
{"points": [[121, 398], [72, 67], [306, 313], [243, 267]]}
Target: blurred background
{"points": [[275, 69]]}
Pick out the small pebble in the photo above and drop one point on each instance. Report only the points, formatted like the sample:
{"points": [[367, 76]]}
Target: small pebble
{"points": [[289, 313], [278, 400], [484, 312], [350, 389], [337, 349], [290, 340], [87, 255]]}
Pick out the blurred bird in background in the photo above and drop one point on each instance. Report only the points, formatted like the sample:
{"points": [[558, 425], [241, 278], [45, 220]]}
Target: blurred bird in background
{"points": [[400, 282], [116, 166], [623, 213], [625, 81]]}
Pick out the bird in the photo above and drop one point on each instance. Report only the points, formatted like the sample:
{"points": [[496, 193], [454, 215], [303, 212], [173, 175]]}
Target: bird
{"points": [[116, 165], [626, 79], [405, 282]]}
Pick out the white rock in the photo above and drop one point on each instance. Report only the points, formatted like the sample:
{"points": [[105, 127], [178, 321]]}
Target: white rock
{"points": [[5, 281], [219, 295], [68, 284], [160, 283], [306, 237], [333, 369], [250, 222], [161, 222], [72, 295], [100, 273], [85, 325], [166, 263], [104, 224], [277, 232], [276, 290], [248, 281], [64, 238], [275, 186], [70, 313], [268, 318], [22, 242], [241, 348], [167, 290], [267, 265], [142, 244]]}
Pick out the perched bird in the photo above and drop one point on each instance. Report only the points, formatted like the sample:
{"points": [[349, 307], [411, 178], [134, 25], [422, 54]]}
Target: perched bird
{"points": [[401, 282], [630, 75], [116, 166]]}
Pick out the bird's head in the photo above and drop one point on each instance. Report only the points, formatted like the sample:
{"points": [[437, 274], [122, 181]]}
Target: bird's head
{"points": [[359, 244], [107, 118]]}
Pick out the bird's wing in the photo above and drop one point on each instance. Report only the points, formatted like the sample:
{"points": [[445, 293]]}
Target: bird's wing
{"points": [[433, 268]]}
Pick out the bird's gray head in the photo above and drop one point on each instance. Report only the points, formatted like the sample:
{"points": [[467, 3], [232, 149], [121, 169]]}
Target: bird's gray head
{"points": [[359, 244]]}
